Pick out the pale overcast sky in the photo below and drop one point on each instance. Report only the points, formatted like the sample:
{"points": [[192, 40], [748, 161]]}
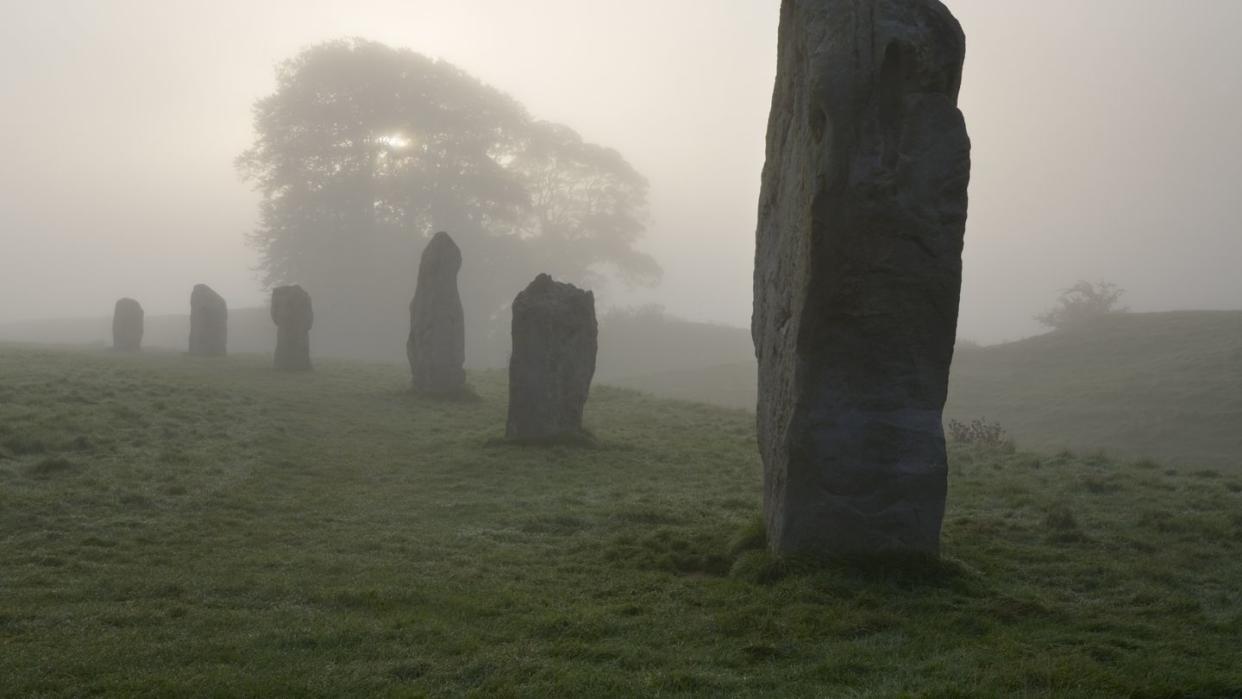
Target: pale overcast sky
{"points": [[1107, 139]]}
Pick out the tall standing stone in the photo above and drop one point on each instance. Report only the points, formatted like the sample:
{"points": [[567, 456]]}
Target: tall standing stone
{"points": [[127, 318], [437, 344], [209, 322], [555, 340], [857, 274], [293, 316]]}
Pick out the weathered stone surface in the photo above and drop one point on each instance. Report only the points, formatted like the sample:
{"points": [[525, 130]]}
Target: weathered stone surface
{"points": [[209, 322], [857, 274], [293, 316], [555, 339], [127, 318], [437, 344]]}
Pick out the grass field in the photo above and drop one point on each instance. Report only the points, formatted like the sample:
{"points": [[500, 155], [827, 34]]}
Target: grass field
{"points": [[180, 527], [1160, 385]]}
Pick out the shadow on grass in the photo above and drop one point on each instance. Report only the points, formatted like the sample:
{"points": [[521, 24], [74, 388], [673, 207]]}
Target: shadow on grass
{"points": [[582, 439], [466, 395], [51, 466], [753, 562]]}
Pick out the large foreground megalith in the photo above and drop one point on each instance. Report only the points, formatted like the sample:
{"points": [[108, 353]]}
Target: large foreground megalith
{"points": [[209, 322], [293, 316], [436, 348], [857, 274], [127, 319], [555, 340]]}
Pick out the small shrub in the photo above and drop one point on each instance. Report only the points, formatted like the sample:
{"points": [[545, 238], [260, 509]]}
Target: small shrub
{"points": [[981, 433], [1161, 521], [1098, 457], [1061, 519], [1082, 305], [758, 567], [51, 466], [134, 500], [80, 443], [1100, 486], [751, 537], [408, 672], [1062, 526], [23, 445]]}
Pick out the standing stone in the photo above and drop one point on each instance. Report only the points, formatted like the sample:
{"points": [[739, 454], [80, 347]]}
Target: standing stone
{"points": [[291, 311], [437, 345], [858, 269], [209, 322], [555, 339], [127, 325]]}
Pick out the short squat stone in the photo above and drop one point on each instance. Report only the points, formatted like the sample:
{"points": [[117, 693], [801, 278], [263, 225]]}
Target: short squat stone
{"points": [[209, 322], [555, 340], [292, 313], [127, 317]]}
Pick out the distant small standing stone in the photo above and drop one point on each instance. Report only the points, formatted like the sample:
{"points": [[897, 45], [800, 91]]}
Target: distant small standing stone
{"points": [[291, 311], [209, 322], [127, 325], [555, 339], [436, 348]]}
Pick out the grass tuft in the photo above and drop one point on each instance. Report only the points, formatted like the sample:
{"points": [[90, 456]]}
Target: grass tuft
{"points": [[1062, 526], [752, 536], [51, 466]]}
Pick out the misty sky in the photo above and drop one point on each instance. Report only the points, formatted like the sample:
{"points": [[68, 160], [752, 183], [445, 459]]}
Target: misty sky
{"points": [[1107, 139]]}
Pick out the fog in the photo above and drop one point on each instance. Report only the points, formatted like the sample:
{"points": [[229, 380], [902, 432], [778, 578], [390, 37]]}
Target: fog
{"points": [[1106, 140]]}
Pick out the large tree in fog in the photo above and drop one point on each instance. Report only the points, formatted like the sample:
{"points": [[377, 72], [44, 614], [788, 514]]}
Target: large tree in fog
{"points": [[364, 151]]}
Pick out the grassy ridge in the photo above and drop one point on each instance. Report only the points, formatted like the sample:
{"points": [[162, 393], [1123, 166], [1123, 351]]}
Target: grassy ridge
{"points": [[1163, 385], [176, 526], [1160, 385]]}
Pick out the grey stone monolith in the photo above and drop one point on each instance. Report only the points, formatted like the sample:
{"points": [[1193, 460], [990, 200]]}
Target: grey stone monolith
{"points": [[555, 340], [858, 269], [436, 347], [127, 319], [293, 316], [209, 322]]}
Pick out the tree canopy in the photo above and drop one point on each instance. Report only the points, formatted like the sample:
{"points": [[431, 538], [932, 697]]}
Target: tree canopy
{"points": [[364, 151], [1082, 304]]}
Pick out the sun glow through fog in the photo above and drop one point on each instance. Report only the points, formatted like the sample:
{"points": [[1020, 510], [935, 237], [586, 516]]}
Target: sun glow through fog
{"points": [[394, 141]]}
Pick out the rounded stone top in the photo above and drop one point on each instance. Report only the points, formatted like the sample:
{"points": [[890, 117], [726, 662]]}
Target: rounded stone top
{"points": [[205, 294], [291, 304], [441, 254], [546, 295]]}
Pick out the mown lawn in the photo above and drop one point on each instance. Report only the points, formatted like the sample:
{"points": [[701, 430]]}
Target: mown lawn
{"points": [[176, 526]]}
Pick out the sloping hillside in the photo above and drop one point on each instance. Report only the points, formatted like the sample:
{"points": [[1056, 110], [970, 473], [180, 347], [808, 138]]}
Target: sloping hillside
{"points": [[633, 345], [176, 526], [1164, 385]]}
